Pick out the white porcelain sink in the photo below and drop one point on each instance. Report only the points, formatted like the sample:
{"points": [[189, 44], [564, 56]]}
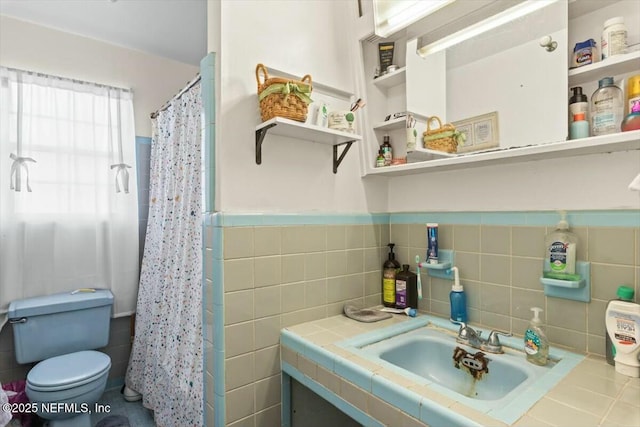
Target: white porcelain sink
{"points": [[428, 353]]}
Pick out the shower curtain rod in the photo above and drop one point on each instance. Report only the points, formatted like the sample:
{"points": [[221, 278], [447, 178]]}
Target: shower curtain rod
{"points": [[176, 96]]}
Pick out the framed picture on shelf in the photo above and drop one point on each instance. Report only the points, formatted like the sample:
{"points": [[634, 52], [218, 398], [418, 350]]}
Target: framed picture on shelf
{"points": [[481, 132]]}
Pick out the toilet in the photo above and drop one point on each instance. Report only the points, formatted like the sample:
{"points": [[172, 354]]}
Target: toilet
{"points": [[61, 333]]}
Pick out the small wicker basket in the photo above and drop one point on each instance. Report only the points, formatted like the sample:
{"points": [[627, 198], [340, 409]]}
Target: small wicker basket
{"points": [[443, 138], [281, 97]]}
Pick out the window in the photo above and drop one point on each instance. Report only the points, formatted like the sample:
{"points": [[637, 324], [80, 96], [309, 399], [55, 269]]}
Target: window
{"points": [[68, 200]]}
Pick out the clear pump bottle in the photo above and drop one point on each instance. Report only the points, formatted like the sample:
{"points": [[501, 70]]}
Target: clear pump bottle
{"points": [[561, 246], [536, 344]]}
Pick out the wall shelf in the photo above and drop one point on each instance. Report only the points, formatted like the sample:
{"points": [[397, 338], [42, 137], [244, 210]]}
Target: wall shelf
{"points": [[399, 123], [392, 79], [577, 290], [302, 131], [624, 141], [442, 270], [612, 66]]}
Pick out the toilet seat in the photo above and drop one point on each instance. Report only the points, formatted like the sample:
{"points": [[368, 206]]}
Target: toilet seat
{"points": [[68, 371]]}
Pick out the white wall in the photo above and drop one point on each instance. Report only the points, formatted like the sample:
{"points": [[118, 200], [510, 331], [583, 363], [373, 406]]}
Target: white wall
{"points": [[299, 37], [573, 183], [153, 79]]}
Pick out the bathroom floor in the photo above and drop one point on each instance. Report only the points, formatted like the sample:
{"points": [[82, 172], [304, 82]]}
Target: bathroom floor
{"points": [[138, 415]]}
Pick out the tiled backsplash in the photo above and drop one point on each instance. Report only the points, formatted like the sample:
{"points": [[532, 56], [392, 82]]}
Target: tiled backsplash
{"points": [[500, 267], [277, 276], [276, 271]]}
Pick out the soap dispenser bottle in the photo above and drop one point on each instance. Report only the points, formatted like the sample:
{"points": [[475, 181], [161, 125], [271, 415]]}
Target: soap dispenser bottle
{"points": [[458, 299], [536, 344], [561, 247], [389, 270]]}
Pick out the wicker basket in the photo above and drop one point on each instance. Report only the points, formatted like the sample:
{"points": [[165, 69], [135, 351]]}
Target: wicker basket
{"points": [[443, 138], [280, 97]]}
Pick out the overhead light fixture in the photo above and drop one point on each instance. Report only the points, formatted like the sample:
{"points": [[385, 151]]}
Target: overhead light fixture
{"points": [[488, 24], [408, 15]]}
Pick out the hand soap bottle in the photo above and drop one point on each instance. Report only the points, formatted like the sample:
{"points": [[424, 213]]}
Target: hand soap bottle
{"points": [[536, 344], [561, 246]]}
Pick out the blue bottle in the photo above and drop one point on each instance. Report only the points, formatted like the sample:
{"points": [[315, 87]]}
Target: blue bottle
{"points": [[458, 299]]}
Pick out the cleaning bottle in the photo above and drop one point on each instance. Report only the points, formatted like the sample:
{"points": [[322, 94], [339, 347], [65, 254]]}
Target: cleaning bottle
{"points": [[536, 344], [561, 246], [406, 288], [623, 327], [624, 293], [458, 299], [389, 270]]}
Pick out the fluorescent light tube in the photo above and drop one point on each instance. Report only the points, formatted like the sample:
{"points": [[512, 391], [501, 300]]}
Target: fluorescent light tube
{"points": [[411, 14], [495, 21]]}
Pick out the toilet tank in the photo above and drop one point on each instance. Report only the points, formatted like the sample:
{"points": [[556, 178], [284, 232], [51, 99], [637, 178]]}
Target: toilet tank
{"points": [[59, 324]]}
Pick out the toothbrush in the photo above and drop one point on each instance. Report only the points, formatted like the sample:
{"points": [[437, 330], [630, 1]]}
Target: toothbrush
{"points": [[419, 281]]}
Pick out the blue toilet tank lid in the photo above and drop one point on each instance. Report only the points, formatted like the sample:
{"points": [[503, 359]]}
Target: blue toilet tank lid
{"points": [[67, 301], [72, 369]]}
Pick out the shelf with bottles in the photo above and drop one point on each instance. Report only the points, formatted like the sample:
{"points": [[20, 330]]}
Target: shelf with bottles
{"points": [[623, 141], [612, 66]]}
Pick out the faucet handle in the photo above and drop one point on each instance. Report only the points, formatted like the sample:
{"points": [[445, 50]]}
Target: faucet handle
{"points": [[493, 339]]}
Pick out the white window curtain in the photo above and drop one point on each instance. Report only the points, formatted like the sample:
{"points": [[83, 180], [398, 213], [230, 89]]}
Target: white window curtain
{"points": [[68, 199]]}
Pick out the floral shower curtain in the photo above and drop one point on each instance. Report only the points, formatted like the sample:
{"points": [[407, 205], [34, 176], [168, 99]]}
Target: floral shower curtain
{"points": [[165, 365]]}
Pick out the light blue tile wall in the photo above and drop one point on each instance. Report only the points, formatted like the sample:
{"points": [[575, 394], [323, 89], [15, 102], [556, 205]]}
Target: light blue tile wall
{"points": [[214, 398]]}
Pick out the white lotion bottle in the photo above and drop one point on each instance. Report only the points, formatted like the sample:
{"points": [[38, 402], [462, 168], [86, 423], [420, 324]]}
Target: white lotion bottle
{"points": [[623, 327]]}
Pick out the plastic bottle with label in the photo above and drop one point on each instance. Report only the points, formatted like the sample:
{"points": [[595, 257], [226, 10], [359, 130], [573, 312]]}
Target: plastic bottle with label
{"points": [[536, 344], [390, 269], [606, 108], [380, 159], [578, 103], [406, 288], [633, 93], [624, 293], [614, 37], [387, 151], [579, 127], [458, 299], [561, 247]]}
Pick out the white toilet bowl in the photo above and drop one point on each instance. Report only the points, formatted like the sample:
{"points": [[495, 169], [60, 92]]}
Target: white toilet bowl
{"points": [[67, 387]]}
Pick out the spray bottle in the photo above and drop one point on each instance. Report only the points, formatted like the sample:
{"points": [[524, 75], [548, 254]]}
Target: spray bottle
{"points": [[458, 299]]}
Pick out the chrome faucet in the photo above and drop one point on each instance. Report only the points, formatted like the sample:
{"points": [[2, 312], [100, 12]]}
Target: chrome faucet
{"points": [[467, 335]]}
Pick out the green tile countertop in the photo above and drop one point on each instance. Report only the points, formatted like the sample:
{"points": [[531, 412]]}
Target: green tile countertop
{"points": [[592, 394]]}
